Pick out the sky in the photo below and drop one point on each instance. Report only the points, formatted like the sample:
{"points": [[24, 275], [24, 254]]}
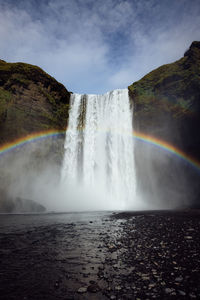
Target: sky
{"points": [[94, 46]]}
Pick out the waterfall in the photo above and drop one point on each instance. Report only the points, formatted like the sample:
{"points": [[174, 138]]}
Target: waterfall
{"points": [[99, 148]]}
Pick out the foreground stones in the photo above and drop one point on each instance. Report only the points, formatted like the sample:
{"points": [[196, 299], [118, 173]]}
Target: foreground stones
{"points": [[121, 256], [82, 290]]}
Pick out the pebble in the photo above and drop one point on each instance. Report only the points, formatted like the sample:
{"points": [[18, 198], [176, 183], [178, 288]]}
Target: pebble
{"points": [[118, 288], [192, 295], [179, 279], [133, 287], [168, 291], [82, 290], [182, 293], [152, 285], [145, 278], [93, 288], [191, 229]]}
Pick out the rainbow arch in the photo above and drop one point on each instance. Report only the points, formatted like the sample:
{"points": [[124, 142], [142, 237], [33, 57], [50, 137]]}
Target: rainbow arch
{"points": [[167, 147], [37, 136], [30, 138]]}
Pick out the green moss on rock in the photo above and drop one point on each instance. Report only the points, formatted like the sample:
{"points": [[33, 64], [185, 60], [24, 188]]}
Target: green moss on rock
{"points": [[167, 101], [30, 101]]}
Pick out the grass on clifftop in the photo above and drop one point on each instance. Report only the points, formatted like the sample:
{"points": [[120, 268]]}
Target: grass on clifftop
{"points": [[173, 87]]}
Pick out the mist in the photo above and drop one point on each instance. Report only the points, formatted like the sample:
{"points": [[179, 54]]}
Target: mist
{"points": [[33, 172]]}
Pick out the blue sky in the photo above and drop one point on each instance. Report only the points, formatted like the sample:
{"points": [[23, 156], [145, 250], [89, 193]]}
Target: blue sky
{"points": [[97, 46]]}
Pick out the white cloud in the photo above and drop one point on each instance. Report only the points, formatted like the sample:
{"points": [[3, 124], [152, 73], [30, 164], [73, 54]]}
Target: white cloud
{"points": [[94, 46], [163, 44]]}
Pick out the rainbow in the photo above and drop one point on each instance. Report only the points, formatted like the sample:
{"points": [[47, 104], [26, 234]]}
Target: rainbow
{"points": [[37, 136], [167, 147], [30, 138]]}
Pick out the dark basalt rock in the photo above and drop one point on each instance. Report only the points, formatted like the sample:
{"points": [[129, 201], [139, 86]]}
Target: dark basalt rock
{"points": [[93, 288], [194, 48]]}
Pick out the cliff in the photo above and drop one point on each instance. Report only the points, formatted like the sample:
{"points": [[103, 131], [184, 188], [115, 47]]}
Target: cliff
{"points": [[167, 102], [167, 106], [30, 101]]}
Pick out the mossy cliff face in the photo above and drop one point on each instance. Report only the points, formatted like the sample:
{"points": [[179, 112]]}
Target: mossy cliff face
{"points": [[167, 106], [30, 101], [167, 102]]}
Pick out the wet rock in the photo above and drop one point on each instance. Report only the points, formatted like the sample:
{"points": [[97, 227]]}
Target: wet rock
{"points": [[111, 248], [56, 285], [190, 229], [151, 285], [188, 237], [192, 295], [93, 288], [179, 279], [118, 288], [82, 290], [144, 277], [168, 291], [182, 293], [92, 281]]}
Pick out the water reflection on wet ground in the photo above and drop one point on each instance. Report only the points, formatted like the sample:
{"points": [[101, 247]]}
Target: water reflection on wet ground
{"points": [[100, 256], [52, 256]]}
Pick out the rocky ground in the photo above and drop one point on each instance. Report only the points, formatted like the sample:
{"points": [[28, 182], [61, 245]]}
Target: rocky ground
{"points": [[144, 255]]}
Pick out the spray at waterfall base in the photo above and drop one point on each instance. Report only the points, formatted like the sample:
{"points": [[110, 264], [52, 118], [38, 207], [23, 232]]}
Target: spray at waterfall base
{"points": [[99, 171]]}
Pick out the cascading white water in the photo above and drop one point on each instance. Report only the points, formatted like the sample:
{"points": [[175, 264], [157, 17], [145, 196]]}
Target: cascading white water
{"points": [[99, 148]]}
